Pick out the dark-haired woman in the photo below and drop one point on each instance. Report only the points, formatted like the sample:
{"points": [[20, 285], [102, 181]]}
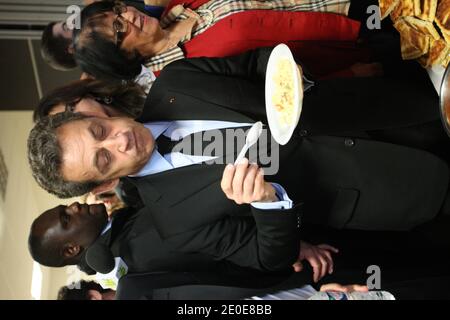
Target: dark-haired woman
{"points": [[94, 98], [115, 39]]}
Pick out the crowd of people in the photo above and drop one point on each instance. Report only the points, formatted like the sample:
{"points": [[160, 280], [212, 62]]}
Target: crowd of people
{"points": [[363, 181]]}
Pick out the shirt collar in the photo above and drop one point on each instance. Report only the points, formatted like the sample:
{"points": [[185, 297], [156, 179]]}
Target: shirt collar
{"points": [[157, 163], [157, 128]]}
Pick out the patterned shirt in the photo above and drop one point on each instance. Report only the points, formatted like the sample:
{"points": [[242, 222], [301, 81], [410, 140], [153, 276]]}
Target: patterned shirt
{"points": [[216, 10]]}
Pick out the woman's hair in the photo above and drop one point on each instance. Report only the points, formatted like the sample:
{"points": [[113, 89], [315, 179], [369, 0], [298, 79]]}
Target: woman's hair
{"points": [[127, 98], [97, 54]]}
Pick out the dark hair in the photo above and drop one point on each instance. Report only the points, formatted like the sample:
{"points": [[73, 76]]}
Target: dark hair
{"points": [[44, 157], [54, 50], [79, 290], [126, 98], [96, 54], [42, 250]]}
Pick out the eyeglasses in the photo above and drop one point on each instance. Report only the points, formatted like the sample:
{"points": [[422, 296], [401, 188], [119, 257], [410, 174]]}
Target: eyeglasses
{"points": [[120, 24]]}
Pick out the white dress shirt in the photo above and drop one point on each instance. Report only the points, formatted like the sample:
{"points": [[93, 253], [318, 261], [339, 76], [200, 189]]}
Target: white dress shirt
{"points": [[177, 130]]}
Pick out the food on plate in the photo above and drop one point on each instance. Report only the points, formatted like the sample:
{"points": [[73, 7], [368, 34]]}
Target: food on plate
{"points": [[386, 7], [424, 27], [438, 52], [414, 44], [442, 18], [283, 97], [403, 9], [425, 9]]}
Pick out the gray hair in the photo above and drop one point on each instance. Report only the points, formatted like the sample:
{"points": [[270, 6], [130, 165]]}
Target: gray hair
{"points": [[45, 159]]}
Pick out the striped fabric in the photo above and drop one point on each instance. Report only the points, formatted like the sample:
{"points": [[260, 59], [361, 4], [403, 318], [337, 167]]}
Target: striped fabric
{"points": [[215, 10]]}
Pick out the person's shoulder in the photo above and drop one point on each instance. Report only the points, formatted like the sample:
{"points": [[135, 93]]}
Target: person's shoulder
{"points": [[185, 64]]}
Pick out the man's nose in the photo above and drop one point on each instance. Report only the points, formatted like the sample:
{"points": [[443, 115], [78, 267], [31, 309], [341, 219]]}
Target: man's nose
{"points": [[117, 142]]}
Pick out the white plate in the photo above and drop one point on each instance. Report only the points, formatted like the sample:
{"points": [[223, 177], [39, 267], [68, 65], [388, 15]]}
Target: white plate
{"points": [[280, 130]]}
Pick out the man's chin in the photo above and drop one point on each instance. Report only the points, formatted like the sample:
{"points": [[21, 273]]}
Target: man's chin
{"points": [[140, 165]]}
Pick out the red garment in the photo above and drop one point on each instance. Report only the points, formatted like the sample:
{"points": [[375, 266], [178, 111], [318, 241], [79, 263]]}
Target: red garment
{"points": [[324, 42]]}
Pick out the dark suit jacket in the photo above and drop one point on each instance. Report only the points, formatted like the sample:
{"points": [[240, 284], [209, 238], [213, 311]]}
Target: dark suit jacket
{"points": [[133, 237], [344, 180], [198, 285], [191, 286], [403, 272]]}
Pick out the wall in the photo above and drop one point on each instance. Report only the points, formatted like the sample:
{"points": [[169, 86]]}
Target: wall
{"points": [[24, 201]]}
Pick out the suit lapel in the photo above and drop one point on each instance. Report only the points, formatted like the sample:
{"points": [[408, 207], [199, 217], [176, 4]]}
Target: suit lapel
{"points": [[102, 239], [122, 221], [169, 105], [165, 186], [181, 199]]}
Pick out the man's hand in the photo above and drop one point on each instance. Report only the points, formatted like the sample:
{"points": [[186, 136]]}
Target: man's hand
{"points": [[183, 28], [319, 257], [244, 183], [340, 288], [191, 13]]}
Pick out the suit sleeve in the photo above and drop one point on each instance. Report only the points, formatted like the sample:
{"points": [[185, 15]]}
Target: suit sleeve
{"points": [[249, 65], [268, 241]]}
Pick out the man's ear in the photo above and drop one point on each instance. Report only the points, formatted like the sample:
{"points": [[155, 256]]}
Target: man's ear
{"points": [[105, 186], [71, 250], [70, 49]]}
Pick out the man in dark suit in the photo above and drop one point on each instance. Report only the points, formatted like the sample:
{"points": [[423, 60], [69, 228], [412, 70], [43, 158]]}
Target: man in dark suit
{"points": [[65, 234], [61, 236], [344, 176]]}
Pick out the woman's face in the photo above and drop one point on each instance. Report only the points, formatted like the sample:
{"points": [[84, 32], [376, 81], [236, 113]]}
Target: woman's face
{"points": [[142, 31], [86, 106]]}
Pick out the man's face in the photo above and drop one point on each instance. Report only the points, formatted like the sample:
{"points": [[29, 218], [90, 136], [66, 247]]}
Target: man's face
{"points": [[60, 29], [77, 224], [103, 149]]}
